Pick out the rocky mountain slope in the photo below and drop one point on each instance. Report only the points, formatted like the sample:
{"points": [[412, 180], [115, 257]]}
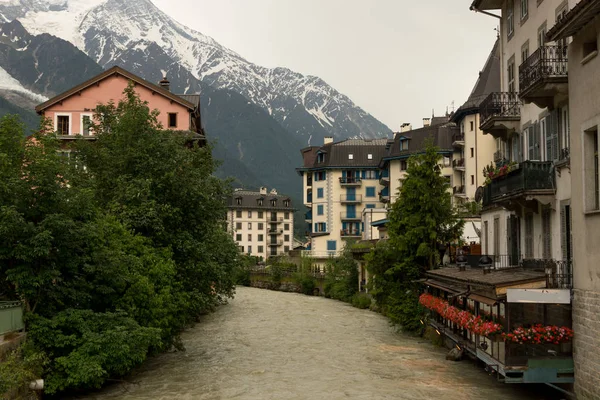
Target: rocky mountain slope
{"points": [[138, 36]]}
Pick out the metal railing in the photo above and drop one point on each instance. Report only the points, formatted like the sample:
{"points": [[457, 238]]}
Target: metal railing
{"points": [[531, 175], [559, 273], [350, 216], [275, 242], [11, 316], [276, 219], [350, 180], [350, 232], [279, 231], [351, 198], [500, 105], [564, 154], [458, 189], [458, 163], [320, 254], [548, 61], [458, 138]]}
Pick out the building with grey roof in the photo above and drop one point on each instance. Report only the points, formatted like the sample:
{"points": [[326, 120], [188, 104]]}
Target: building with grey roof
{"points": [[261, 222]]}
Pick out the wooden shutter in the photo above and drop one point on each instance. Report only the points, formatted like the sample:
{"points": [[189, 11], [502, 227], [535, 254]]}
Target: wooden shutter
{"points": [[563, 232]]}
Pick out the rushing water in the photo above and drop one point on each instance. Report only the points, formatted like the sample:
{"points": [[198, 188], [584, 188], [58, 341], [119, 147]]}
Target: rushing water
{"points": [[273, 345]]}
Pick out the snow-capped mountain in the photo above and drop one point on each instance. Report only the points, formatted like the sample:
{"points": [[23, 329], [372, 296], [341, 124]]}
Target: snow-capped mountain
{"points": [[137, 35]]}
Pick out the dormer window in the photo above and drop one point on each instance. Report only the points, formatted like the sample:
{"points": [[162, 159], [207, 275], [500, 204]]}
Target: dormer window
{"points": [[320, 158], [274, 203], [286, 203], [369, 156], [403, 145], [259, 202], [350, 156], [238, 201]]}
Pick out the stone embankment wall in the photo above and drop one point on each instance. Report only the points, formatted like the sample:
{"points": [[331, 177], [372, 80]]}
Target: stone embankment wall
{"points": [[586, 355]]}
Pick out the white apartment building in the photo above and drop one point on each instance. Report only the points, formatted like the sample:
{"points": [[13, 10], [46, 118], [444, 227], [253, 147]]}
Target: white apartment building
{"points": [[339, 181], [527, 205], [261, 223]]}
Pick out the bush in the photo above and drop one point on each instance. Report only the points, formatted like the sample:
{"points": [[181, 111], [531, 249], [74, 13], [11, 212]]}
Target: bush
{"points": [[20, 367], [361, 300], [308, 285]]}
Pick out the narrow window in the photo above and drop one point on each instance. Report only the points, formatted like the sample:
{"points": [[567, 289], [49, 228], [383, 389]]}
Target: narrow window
{"points": [[485, 237], [172, 120], [529, 235], [547, 233], [86, 122], [403, 165], [286, 215], [249, 237], [524, 9], [320, 209], [249, 249], [260, 214], [510, 21], [511, 75], [62, 125], [261, 238], [249, 214], [238, 226], [472, 152], [319, 193], [238, 214], [472, 179], [286, 238], [249, 226], [541, 35], [472, 125]]}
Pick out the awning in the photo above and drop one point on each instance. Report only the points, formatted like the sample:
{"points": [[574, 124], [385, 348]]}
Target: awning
{"points": [[443, 286], [483, 299]]}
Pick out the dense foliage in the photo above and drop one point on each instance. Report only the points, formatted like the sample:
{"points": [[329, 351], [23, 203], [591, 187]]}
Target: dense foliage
{"points": [[114, 250], [420, 220], [341, 277]]}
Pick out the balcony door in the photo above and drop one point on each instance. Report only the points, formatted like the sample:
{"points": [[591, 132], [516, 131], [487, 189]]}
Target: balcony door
{"points": [[351, 211], [513, 239], [351, 194]]}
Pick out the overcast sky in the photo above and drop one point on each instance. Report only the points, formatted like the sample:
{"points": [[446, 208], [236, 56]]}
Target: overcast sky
{"points": [[397, 59]]}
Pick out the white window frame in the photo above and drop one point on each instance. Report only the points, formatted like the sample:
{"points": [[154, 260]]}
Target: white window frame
{"points": [[510, 18], [524, 9], [350, 156], [70, 115], [81, 115]]}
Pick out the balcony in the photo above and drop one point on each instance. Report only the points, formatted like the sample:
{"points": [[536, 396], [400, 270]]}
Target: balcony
{"points": [[384, 195], [500, 114], [458, 140], [459, 191], [350, 181], [275, 242], [349, 216], [531, 181], [350, 233], [274, 231], [351, 198], [276, 220], [308, 216], [543, 76], [384, 178], [459, 164]]}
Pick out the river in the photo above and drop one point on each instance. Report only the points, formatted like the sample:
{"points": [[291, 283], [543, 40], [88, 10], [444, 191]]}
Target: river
{"points": [[273, 345]]}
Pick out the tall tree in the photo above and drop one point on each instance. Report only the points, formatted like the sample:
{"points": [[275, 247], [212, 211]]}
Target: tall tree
{"points": [[421, 219]]}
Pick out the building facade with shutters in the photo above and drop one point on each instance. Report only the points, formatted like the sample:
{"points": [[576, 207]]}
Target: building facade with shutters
{"points": [[339, 181], [527, 189], [261, 222]]}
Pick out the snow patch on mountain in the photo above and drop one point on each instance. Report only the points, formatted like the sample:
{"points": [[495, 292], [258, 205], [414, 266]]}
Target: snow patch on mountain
{"points": [[7, 82]]}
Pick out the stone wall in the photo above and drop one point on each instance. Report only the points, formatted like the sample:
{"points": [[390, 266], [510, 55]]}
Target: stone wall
{"points": [[586, 355]]}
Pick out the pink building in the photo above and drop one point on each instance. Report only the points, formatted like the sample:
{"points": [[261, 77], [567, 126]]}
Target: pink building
{"points": [[72, 111]]}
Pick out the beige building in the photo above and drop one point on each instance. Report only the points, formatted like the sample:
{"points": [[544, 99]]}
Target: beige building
{"points": [[261, 223], [527, 200], [339, 181], [582, 25]]}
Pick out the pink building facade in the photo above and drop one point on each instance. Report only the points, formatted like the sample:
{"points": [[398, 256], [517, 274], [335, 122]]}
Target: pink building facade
{"points": [[71, 112]]}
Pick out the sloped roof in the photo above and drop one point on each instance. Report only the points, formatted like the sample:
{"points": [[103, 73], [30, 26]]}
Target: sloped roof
{"points": [[192, 98], [440, 134], [337, 154], [487, 82], [119, 71], [582, 14], [249, 200]]}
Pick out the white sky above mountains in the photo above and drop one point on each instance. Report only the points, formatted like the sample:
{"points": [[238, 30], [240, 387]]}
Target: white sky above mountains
{"points": [[397, 59]]}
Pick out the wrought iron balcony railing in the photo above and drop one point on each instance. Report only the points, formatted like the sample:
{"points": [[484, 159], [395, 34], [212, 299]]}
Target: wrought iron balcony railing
{"points": [[351, 198], [350, 180], [500, 105], [458, 163], [458, 139], [531, 176], [350, 232], [547, 62]]}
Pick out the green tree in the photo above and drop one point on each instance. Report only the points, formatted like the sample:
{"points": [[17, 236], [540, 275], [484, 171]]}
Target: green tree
{"points": [[160, 184], [420, 220], [341, 276]]}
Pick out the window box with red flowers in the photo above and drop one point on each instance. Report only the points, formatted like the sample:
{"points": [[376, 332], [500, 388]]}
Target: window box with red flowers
{"points": [[539, 334]]}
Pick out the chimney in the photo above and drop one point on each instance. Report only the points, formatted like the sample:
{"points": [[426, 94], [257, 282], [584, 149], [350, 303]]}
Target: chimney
{"points": [[263, 190], [273, 191], [165, 84], [405, 127], [328, 139], [426, 122]]}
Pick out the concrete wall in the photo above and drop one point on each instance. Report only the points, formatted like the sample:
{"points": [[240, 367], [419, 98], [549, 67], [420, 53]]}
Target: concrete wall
{"points": [[584, 86], [111, 88]]}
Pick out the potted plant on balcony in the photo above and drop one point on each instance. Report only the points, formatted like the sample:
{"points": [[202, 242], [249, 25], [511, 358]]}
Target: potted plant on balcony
{"points": [[492, 172]]}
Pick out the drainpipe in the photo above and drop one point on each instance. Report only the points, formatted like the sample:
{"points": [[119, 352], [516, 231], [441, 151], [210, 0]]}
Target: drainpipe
{"points": [[473, 8]]}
